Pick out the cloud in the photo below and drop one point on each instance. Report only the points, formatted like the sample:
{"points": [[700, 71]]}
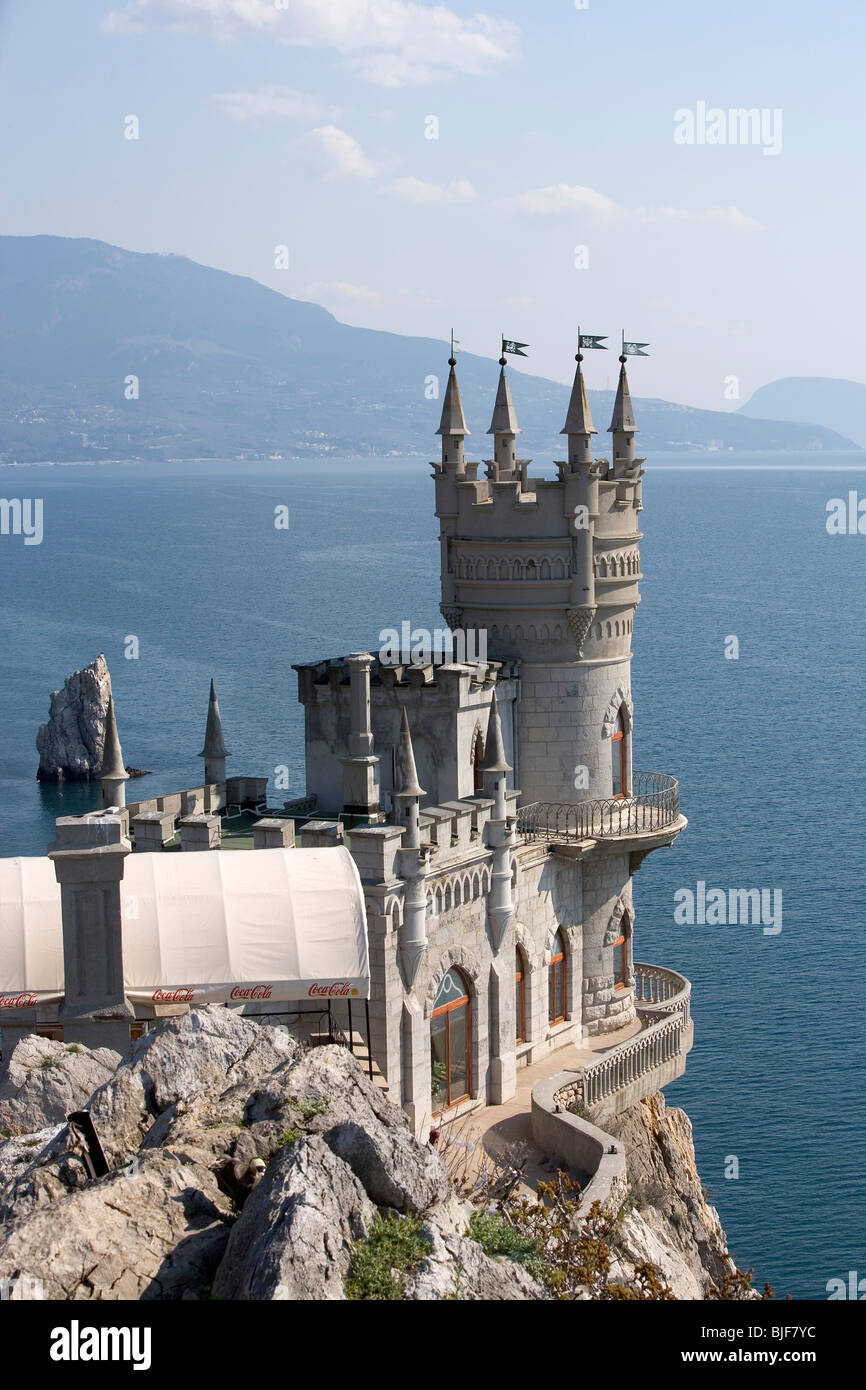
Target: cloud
{"points": [[561, 198], [339, 292], [392, 43], [335, 154], [282, 102], [431, 194]]}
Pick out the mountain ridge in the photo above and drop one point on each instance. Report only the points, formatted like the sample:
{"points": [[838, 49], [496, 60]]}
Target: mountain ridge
{"points": [[226, 367]]}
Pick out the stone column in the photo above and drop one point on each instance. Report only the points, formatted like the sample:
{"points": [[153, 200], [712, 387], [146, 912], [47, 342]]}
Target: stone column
{"points": [[361, 768], [416, 1092], [89, 855], [502, 1077]]}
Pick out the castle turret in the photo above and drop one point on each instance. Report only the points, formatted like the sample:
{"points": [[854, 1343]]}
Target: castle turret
{"points": [[114, 774], [452, 426], [500, 905], [622, 425], [505, 429], [581, 507], [214, 751], [411, 858]]}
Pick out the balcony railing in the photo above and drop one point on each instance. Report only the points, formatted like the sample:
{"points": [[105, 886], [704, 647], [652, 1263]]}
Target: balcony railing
{"points": [[658, 992], [632, 1060], [654, 803]]}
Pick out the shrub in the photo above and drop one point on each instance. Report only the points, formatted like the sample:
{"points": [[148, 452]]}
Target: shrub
{"points": [[379, 1264], [497, 1236]]}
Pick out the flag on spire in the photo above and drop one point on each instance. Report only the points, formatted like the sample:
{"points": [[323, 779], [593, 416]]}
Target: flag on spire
{"points": [[634, 349], [515, 348], [591, 340]]}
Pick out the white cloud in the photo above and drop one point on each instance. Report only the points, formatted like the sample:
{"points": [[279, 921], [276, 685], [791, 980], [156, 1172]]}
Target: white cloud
{"points": [[282, 102], [389, 42], [563, 197], [339, 292], [431, 194], [560, 198], [730, 215], [336, 154]]}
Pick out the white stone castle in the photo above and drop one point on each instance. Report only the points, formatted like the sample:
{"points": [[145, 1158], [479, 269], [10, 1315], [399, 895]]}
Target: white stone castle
{"points": [[499, 898], [491, 807]]}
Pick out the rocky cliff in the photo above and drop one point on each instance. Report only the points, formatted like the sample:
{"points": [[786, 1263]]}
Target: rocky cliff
{"points": [[241, 1167], [71, 744]]}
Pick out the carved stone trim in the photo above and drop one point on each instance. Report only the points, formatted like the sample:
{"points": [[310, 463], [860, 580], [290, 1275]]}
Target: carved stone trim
{"points": [[620, 700], [579, 622]]}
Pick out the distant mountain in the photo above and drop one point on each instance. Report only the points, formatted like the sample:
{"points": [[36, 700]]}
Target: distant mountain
{"points": [[227, 368], [838, 404]]}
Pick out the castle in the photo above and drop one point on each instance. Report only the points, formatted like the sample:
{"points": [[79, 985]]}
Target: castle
{"points": [[490, 806]]}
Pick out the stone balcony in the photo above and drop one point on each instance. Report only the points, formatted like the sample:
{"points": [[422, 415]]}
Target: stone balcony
{"points": [[627, 1072]]}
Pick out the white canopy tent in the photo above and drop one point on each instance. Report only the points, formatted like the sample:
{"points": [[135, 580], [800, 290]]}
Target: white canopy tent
{"points": [[215, 926]]}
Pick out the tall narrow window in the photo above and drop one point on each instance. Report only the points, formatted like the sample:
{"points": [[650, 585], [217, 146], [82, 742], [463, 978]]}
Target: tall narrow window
{"points": [[556, 981], [451, 1042], [620, 963], [477, 756], [619, 774], [520, 995]]}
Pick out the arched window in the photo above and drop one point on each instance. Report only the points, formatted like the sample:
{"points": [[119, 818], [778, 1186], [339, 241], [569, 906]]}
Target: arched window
{"points": [[451, 1042], [619, 773], [620, 955], [556, 981], [520, 995]]}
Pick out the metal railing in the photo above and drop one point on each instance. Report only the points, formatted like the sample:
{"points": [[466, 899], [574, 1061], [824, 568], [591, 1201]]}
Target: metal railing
{"points": [[654, 803]]}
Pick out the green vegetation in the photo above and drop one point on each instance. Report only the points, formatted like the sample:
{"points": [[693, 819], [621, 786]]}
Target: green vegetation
{"points": [[309, 1108], [497, 1236], [380, 1263], [289, 1136]]}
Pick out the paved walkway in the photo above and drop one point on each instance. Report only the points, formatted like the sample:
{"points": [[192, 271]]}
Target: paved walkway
{"points": [[498, 1129]]}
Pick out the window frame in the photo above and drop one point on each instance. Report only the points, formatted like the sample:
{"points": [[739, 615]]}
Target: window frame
{"points": [[556, 969], [465, 1001], [619, 736], [520, 995]]}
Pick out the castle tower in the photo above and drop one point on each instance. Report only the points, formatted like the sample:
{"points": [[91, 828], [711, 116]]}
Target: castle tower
{"points": [[214, 751], [114, 774], [550, 569]]}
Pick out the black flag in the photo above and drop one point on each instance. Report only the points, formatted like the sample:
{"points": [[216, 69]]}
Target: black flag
{"points": [[516, 349], [591, 340]]}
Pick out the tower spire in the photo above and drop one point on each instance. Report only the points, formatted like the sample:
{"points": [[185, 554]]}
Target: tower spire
{"points": [[114, 774], [504, 428], [578, 421], [214, 751], [452, 425], [405, 773]]}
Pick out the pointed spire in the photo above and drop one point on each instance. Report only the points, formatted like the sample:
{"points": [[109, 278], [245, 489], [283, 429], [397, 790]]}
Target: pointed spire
{"points": [[405, 774], [579, 417], [494, 749], [112, 757], [504, 415], [622, 421], [214, 745], [453, 420]]}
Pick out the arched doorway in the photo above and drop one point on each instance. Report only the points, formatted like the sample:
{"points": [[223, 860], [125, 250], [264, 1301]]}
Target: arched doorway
{"points": [[451, 1042]]}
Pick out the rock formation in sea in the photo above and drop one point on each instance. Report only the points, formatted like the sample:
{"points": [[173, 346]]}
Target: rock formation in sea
{"points": [[71, 744], [242, 1167]]}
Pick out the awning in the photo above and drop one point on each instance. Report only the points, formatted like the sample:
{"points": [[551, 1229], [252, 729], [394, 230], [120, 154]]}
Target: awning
{"points": [[211, 926]]}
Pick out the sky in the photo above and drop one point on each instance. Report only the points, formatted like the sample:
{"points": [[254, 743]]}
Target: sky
{"points": [[496, 167]]}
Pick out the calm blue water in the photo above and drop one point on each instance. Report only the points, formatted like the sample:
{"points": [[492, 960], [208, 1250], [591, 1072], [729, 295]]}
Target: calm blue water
{"points": [[770, 749]]}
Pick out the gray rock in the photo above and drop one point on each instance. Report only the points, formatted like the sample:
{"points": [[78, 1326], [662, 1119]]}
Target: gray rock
{"points": [[154, 1231], [294, 1237], [209, 1051], [71, 744], [44, 1080], [360, 1125], [21, 1152], [457, 1268]]}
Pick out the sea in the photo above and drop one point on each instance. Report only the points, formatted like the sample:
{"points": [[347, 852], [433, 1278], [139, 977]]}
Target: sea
{"points": [[748, 684]]}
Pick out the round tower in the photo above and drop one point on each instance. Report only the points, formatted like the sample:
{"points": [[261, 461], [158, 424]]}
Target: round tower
{"points": [[550, 569]]}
